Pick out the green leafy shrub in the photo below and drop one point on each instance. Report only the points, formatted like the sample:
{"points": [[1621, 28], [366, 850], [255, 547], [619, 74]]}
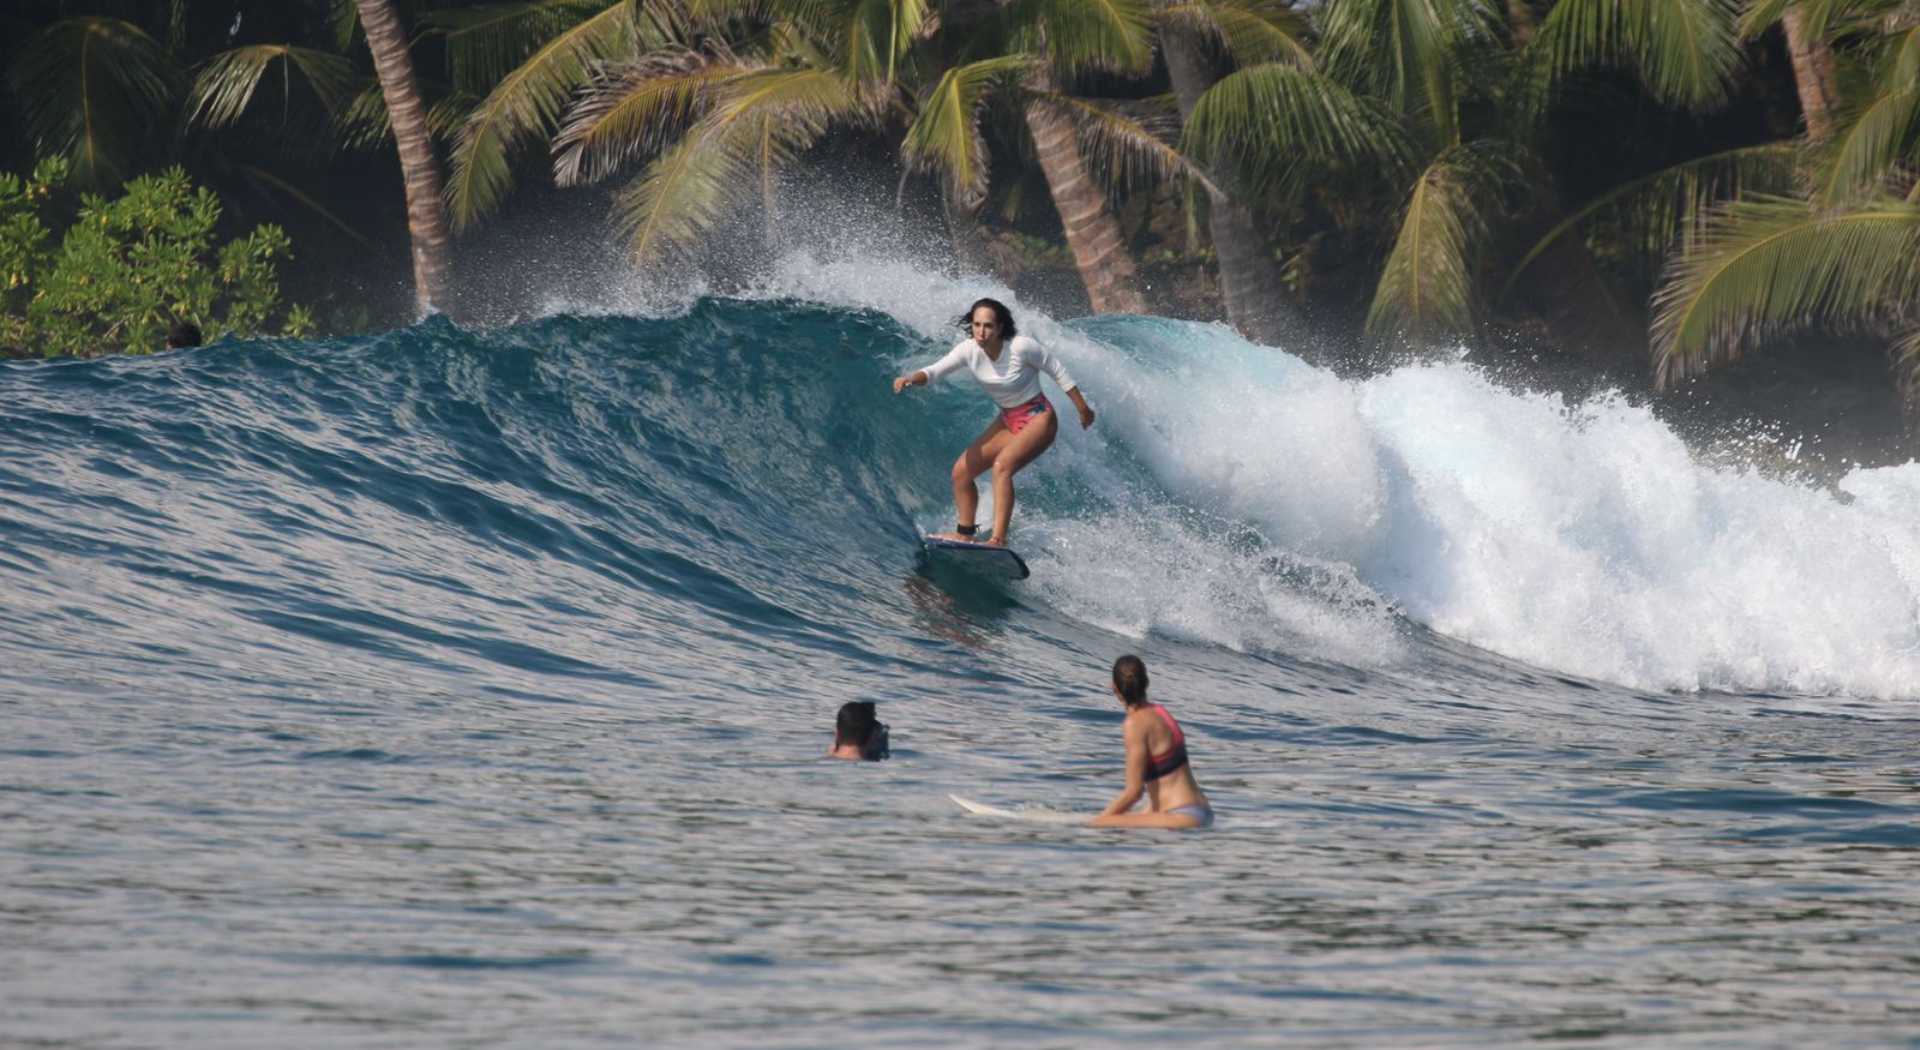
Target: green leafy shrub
{"points": [[127, 269]]}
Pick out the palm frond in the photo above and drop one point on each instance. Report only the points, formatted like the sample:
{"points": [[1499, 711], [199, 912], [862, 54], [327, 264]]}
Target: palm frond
{"points": [[1656, 207], [637, 109], [877, 34], [813, 98], [1882, 132], [1685, 51], [345, 22], [1127, 148], [363, 124], [526, 105], [1079, 36], [1760, 16], [271, 181], [176, 27], [708, 173], [755, 124], [486, 44], [1767, 265], [945, 135], [1272, 123], [1820, 19], [682, 194], [1402, 50], [1253, 32], [90, 88], [449, 116], [1426, 288], [789, 42], [226, 84], [816, 14]]}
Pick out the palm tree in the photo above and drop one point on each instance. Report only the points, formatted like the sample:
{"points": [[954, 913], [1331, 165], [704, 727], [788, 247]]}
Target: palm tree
{"points": [[1685, 56], [1054, 40], [1411, 59], [1844, 255], [1250, 34], [720, 96], [1382, 65], [720, 93], [722, 111], [102, 91], [419, 166], [528, 60], [109, 94], [228, 83], [93, 89], [1093, 235]]}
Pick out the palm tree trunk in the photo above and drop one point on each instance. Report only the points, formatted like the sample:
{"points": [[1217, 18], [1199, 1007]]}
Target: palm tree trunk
{"points": [[1813, 75], [1250, 277], [426, 210], [1093, 234]]}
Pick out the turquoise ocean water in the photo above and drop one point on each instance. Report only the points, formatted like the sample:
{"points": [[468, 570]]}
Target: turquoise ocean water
{"points": [[457, 688]]}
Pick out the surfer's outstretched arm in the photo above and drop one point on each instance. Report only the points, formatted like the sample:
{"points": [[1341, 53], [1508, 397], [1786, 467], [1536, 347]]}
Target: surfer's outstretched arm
{"points": [[953, 359]]}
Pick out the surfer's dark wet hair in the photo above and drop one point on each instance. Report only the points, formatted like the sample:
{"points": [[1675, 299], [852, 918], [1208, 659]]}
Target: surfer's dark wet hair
{"points": [[1000, 313], [1130, 678], [857, 724]]}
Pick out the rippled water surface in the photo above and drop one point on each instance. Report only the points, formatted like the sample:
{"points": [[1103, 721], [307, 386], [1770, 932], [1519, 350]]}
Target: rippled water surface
{"points": [[450, 688]]}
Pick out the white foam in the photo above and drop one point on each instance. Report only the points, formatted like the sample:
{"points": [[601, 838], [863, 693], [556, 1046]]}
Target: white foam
{"points": [[1587, 539]]}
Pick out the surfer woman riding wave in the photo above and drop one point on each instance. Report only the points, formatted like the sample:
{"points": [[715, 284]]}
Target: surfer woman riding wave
{"points": [[1007, 365]]}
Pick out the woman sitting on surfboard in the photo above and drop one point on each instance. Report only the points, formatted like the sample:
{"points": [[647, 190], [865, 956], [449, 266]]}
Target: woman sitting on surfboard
{"points": [[1156, 762], [1008, 366]]}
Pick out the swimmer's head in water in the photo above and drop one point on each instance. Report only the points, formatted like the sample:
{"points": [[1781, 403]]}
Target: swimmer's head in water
{"points": [[1004, 328], [1130, 679], [858, 725]]}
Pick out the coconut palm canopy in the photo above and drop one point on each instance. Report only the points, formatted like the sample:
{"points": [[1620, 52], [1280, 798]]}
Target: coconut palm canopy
{"points": [[1446, 98], [1843, 254], [713, 100]]}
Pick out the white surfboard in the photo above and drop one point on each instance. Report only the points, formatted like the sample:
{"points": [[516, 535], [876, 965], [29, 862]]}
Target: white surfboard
{"points": [[983, 558], [1037, 816]]}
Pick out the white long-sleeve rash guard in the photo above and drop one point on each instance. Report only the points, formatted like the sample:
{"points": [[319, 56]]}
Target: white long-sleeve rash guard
{"points": [[1011, 381]]}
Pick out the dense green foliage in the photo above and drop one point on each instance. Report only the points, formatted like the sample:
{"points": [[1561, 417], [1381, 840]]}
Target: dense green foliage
{"points": [[125, 269]]}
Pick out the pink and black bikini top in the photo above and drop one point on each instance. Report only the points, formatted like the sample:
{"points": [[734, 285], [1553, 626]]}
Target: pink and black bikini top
{"points": [[1172, 758]]}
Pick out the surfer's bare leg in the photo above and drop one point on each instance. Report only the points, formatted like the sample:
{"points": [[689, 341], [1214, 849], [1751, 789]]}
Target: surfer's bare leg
{"points": [[975, 461], [1021, 449]]}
